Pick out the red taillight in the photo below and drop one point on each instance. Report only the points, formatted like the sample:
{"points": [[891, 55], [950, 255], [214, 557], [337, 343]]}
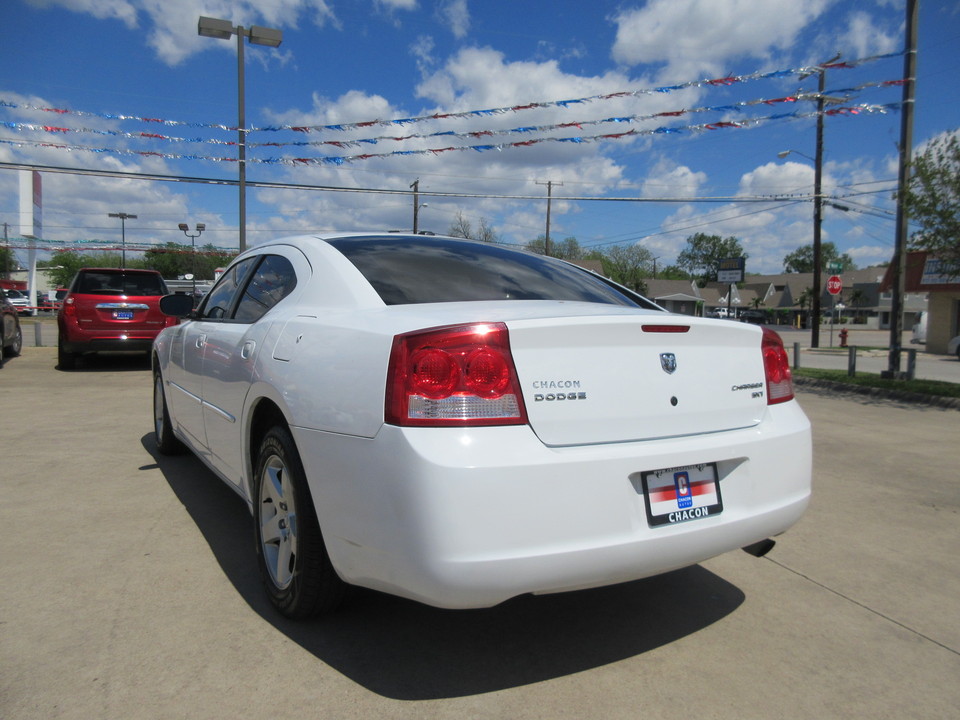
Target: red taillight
{"points": [[665, 328], [69, 310], [454, 376], [776, 366]]}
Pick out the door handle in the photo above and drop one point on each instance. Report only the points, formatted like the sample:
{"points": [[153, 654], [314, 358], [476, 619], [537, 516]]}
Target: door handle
{"points": [[201, 340], [247, 350]]}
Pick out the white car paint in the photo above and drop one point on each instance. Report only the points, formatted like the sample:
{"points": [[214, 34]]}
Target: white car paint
{"points": [[462, 517]]}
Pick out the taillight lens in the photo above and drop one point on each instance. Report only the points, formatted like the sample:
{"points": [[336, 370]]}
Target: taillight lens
{"points": [[776, 367], [461, 375]]}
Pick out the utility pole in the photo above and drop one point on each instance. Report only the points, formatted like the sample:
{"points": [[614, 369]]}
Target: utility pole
{"points": [[818, 209], [903, 180], [416, 204], [546, 240]]}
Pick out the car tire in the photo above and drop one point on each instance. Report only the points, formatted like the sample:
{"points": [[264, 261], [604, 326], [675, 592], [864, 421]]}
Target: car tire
{"points": [[65, 360], [297, 574], [167, 442], [14, 347]]}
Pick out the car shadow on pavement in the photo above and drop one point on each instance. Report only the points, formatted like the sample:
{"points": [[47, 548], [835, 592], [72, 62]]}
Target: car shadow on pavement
{"points": [[408, 651], [110, 362]]}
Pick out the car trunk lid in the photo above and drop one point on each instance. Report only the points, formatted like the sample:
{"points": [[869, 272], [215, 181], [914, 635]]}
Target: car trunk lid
{"points": [[622, 378]]}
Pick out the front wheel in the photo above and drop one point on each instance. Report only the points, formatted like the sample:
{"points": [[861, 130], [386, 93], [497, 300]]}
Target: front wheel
{"points": [[167, 442], [297, 573]]}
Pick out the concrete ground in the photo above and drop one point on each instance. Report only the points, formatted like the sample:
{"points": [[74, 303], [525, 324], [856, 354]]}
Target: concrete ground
{"points": [[129, 591]]}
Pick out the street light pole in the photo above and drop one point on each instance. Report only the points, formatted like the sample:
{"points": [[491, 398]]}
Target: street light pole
{"points": [[123, 234], [224, 30], [186, 231], [415, 185]]}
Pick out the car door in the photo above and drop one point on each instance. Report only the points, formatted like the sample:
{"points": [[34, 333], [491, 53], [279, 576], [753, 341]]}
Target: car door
{"points": [[189, 352], [232, 348]]}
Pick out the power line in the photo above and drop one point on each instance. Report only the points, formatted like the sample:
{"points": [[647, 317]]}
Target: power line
{"points": [[390, 191]]}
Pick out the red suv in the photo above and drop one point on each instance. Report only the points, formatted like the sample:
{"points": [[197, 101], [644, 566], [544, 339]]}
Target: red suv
{"points": [[110, 309]]}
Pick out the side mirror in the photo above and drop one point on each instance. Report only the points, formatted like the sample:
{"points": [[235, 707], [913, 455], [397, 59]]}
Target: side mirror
{"points": [[176, 305]]}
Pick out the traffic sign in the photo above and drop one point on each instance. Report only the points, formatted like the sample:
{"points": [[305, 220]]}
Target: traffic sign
{"points": [[834, 285], [835, 268]]}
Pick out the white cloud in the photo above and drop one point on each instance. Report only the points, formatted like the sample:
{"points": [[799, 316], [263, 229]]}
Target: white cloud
{"points": [[122, 10], [670, 180], [863, 37], [474, 78], [694, 37], [398, 4], [456, 15], [173, 23]]}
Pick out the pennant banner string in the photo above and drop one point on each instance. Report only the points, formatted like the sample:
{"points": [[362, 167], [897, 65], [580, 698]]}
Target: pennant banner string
{"points": [[715, 82], [849, 110], [357, 142]]}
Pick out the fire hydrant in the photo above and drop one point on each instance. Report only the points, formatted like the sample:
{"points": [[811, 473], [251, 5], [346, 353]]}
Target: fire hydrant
{"points": [[843, 337]]}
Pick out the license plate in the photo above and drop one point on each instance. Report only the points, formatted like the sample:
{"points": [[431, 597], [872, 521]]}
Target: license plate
{"points": [[123, 314], [681, 494]]}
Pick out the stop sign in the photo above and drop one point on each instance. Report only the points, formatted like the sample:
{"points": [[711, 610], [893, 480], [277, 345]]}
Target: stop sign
{"points": [[834, 285]]}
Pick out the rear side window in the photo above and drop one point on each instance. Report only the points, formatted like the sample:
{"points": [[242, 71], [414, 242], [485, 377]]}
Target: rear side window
{"points": [[95, 282], [249, 289], [220, 300], [271, 283], [428, 270]]}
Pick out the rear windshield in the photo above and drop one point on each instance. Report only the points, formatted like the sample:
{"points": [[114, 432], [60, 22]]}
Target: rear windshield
{"points": [[406, 270], [95, 282]]}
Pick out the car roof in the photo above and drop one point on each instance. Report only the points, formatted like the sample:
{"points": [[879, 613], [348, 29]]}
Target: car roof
{"points": [[117, 270]]}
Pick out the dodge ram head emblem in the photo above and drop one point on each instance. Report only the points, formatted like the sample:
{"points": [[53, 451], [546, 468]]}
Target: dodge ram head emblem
{"points": [[668, 361]]}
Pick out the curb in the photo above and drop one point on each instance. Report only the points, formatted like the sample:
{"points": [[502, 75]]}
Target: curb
{"points": [[919, 398]]}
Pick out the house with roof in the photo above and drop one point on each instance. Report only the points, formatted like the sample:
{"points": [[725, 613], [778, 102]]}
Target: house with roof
{"points": [[925, 274]]}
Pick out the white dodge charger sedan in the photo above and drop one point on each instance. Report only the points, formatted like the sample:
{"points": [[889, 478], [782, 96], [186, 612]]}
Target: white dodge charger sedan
{"points": [[460, 423]]}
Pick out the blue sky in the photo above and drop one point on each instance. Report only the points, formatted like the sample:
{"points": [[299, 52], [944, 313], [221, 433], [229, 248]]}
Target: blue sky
{"points": [[352, 62]]}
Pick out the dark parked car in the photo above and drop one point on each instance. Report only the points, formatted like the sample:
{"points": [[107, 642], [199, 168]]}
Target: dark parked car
{"points": [[110, 309], [11, 336], [755, 317]]}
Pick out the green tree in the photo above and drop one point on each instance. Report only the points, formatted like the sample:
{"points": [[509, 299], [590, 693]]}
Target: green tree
{"points": [[629, 265], [805, 298], [801, 259], [857, 298], [174, 260], [932, 200], [65, 263], [568, 248], [672, 272], [702, 256], [8, 260]]}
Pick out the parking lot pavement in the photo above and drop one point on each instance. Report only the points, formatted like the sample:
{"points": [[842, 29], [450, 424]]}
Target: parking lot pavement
{"points": [[129, 590]]}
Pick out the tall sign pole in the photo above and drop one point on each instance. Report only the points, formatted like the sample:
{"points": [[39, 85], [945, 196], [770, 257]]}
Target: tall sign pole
{"points": [[31, 226], [903, 180]]}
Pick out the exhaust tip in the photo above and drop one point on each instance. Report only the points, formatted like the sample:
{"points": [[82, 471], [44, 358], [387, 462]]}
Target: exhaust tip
{"points": [[759, 549]]}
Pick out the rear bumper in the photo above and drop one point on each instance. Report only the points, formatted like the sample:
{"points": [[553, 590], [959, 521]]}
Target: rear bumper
{"points": [[77, 341], [470, 518]]}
